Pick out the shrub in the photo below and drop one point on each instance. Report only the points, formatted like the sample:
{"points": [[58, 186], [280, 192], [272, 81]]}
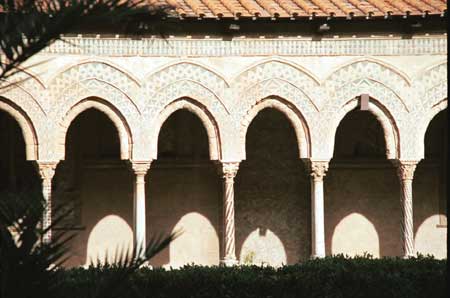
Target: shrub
{"points": [[336, 276]]}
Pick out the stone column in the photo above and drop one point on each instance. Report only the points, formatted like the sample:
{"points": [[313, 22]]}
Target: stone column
{"points": [[47, 171], [317, 170], [140, 169], [229, 171], [405, 172]]}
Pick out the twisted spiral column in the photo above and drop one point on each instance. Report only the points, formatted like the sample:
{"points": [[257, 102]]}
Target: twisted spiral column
{"points": [[229, 171], [140, 169], [317, 170], [405, 172], [47, 171]]}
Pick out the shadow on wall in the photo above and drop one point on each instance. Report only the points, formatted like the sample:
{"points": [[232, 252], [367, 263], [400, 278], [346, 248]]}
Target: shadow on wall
{"points": [[272, 205], [362, 208], [184, 191], [97, 185], [430, 191]]}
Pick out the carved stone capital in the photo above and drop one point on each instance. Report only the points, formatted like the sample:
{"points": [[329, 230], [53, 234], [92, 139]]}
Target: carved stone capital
{"points": [[229, 170], [47, 169], [405, 169], [140, 168], [317, 168]]}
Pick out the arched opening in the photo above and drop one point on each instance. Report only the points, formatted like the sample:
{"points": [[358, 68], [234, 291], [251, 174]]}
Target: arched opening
{"points": [[96, 186], [361, 191], [16, 173], [430, 191], [272, 202], [184, 192]]}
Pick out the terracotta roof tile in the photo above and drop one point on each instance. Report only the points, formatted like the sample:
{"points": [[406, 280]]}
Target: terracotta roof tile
{"points": [[304, 8]]}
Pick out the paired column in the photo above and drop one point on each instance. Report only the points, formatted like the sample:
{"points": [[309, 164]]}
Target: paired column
{"points": [[229, 171], [140, 169], [47, 171], [317, 170], [405, 172]]}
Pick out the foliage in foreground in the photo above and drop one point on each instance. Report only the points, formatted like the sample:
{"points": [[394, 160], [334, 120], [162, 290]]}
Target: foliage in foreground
{"points": [[330, 277], [28, 266]]}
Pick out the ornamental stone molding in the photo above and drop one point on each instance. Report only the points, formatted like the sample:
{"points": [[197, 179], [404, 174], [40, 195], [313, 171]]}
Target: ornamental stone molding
{"points": [[228, 170], [226, 83], [405, 169], [209, 47], [317, 169]]}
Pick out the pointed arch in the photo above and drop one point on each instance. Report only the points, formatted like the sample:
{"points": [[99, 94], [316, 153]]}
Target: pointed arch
{"points": [[285, 63], [382, 114], [124, 132], [400, 75], [201, 112], [195, 64], [26, 126], [93, 61], [291, 112]]}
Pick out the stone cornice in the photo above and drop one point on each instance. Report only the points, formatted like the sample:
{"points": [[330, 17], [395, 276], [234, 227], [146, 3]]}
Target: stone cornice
{"points": [[212, 47]]}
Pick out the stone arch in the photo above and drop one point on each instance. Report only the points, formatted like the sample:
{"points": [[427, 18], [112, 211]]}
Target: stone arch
{"points": [[89, 71], [199, 68], [383, 81], [110, 111], [97, 60], [382, 114], [291, 112], [181, 71], [191, 89], [26, 126], [201, 112], [258, 72], [372, 65]]}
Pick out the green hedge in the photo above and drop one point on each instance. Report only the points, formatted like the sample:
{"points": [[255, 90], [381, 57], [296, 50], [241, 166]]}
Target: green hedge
{"points": [[329, 277]]}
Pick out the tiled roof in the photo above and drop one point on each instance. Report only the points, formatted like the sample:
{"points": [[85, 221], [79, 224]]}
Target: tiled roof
{"points": [[303, 8]]}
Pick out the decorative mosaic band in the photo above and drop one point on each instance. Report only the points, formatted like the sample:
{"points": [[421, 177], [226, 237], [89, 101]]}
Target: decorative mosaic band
{"points": [[247, 47]]}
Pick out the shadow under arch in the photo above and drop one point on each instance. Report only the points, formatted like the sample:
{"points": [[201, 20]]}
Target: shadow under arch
{"points": [[272, 193], [26, 127], [184, 189], [201, 111], [94, 183], [360, 180], [430, 190], [110, 111]]}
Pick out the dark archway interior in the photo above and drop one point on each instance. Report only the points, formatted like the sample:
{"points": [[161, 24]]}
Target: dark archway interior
{"points": [[430, 177], [184, 190], [93, 183], [16, 173], [361, 190], [272, 202]]}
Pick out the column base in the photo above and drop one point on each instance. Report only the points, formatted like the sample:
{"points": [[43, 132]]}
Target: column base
{"points": [[408, 256], [229, 262]]}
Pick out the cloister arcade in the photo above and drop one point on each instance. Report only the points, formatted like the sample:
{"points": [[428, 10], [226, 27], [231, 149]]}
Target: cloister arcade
{"points": [[273, 164]]}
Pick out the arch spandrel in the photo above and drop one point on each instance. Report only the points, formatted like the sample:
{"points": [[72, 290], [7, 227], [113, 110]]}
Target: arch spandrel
{"points": [[293, 115], [209, 123]]}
